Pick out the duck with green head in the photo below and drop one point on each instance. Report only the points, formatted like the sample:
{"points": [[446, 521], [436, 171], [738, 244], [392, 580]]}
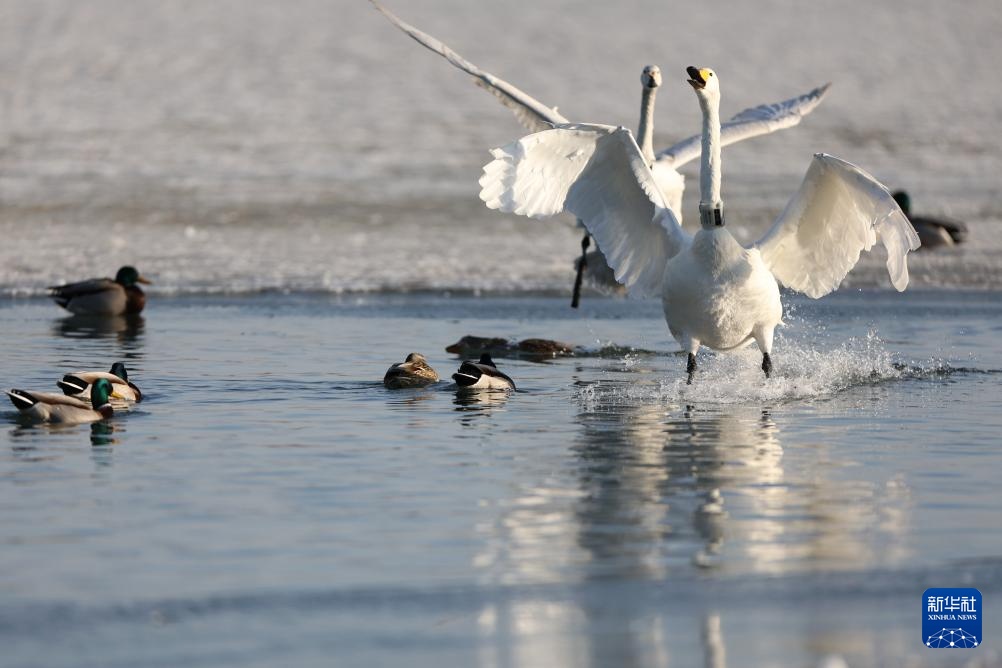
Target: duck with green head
{"points": [[60, 409], [78, 384], [103, 296], [933, 231]]}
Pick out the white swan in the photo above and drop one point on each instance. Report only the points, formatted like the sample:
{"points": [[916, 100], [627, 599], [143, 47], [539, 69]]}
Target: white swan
{"points": [[714, 291], [536, 116]]}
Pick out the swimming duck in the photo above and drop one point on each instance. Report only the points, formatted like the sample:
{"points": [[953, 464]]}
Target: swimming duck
{"points": [[482, 375], [103, 296], [412, 372], [531, 348], [78, 384], [60, 409], [933, 232]]}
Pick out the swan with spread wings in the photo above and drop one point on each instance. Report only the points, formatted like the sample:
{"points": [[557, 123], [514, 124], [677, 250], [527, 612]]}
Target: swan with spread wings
{"points": [[536, 116], [715, 292]]}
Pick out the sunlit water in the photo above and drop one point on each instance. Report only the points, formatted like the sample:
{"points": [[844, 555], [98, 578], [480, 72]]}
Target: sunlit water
{"points": [[270, 502], [300, 181]]}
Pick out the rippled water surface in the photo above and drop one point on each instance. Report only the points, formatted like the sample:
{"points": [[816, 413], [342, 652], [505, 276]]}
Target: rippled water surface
{"points": [[270, 502]]}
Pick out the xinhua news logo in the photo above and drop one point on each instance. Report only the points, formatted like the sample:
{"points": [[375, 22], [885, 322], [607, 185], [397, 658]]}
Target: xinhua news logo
{"points": [[951, 618]]}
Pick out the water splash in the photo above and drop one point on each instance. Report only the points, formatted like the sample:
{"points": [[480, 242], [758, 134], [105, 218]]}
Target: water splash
{"points": [[801, 371]]}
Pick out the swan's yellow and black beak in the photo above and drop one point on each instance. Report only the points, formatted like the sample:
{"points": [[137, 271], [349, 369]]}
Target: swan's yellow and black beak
{"points": [[697, 78]]}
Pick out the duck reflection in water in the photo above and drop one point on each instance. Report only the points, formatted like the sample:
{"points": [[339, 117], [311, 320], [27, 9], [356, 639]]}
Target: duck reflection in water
{"points": [[30, 436], [475, 403], [102, 434], [124, 328]]}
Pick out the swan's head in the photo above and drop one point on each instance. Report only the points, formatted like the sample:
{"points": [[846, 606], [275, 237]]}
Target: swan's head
{"points": [[703, 80], [651, 76]]}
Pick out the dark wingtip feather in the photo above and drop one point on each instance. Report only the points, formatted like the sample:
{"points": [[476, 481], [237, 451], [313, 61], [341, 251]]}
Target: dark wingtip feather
{"points": [[71, 385], [21, 399], [464, 380], [467, 375]]}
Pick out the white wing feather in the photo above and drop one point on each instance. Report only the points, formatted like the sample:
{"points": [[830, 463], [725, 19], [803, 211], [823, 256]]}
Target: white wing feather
{"points": [[597, 173], [530, 112], [752, 122], [838, 212]]}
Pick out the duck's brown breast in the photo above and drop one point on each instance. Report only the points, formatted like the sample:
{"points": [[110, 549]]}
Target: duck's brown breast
{"points": [[135, 299]]}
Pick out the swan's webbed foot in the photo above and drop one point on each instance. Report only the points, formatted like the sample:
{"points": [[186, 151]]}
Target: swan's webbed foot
{"points": [[690, 368], [767, 365]]}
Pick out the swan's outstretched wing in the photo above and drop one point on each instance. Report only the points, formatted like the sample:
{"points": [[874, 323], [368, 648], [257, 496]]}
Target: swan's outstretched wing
{"points": [[597, 173], [530, 112], [753, 122], [839, 211]]}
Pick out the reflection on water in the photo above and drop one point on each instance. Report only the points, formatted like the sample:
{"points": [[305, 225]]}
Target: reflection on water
{"points": [[125, 328], [598, 518], [715, 654], [664, 494], [474, 404], [656, 483], [479, 399], [409, 398], [28, 452], [733, 455], [650, 505], [101, 433], [36, 442]]}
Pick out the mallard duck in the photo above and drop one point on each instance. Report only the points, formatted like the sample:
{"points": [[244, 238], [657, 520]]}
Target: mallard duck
{"points": [[531, 348], [78, 384], [60, 409], [482, 375], [933, 232], [103, 296], [412, 372]]}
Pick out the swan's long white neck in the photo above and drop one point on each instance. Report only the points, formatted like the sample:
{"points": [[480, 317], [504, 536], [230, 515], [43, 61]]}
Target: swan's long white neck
{"points": [[709, 171], [645, 133]]}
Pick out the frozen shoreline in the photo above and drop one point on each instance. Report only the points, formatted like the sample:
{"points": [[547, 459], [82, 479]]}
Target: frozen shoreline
{"points": [[233, 147]]}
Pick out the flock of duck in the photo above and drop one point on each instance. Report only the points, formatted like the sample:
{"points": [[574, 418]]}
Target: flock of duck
{"points": [[714, 291], [415, 371], [88, 396]]}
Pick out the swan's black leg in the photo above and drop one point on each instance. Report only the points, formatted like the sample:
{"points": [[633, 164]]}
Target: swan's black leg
{"points": [[691, 368], [767, 365], [582, 263]]}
